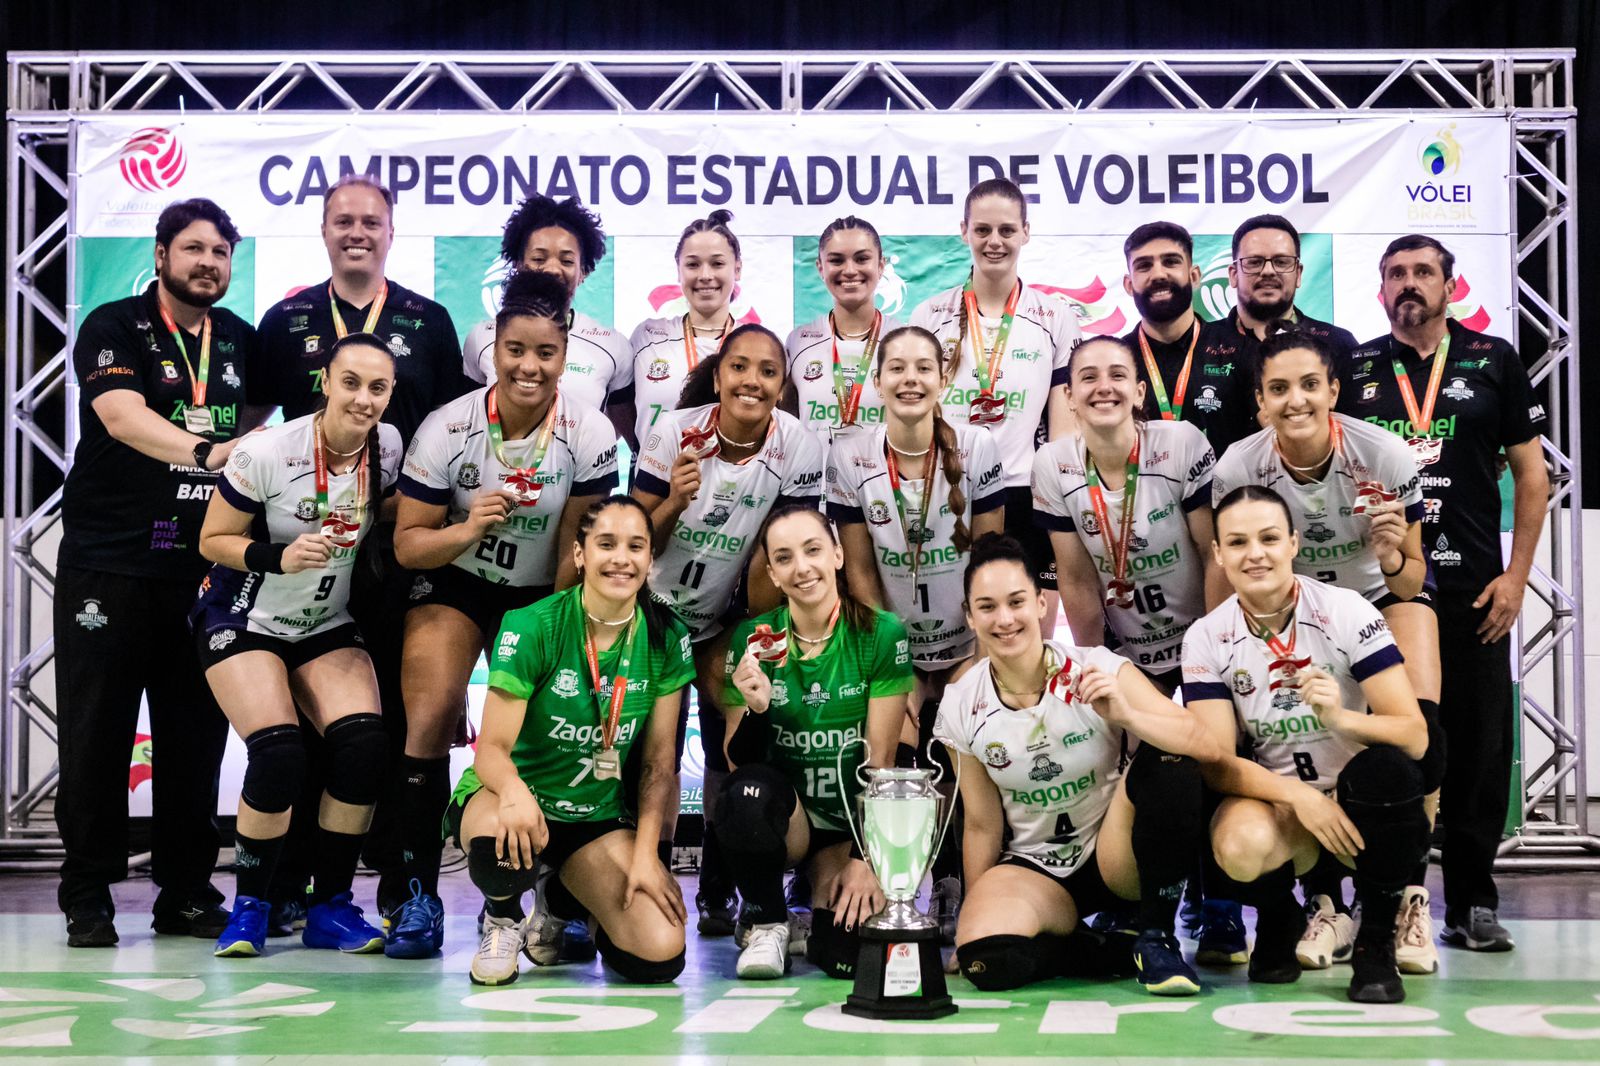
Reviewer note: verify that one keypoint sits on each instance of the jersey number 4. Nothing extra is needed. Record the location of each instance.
(1064, 829)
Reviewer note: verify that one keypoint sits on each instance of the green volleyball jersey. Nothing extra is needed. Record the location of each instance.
(819, 706)
(539, 656)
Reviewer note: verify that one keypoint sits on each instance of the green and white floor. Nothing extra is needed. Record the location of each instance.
(155, 998)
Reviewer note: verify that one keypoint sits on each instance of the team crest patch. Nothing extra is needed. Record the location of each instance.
(92, 617)
(306, 509)
(717, 515)
(1369, 391)
(658, 370)
(230, 375)
(420, 587)
(398, 346)
(1458, 390)
(1285, 699)
(1137, 543)
(813, 370)
(1207, 400)
(817, 696)
(1317, 533)
(169, 370)
(467, 477)
(222, 638)
(1044, 769)
(878, 512)
(566, 685)
(1243, 683)
(313, 343)
(996, 755)
(1089, 523)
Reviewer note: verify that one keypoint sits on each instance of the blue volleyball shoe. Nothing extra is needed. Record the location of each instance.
(339, 924)
(245, 935)
(418, 930)
(1162, 971)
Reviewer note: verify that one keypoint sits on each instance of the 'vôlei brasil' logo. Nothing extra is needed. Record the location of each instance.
(1435, 201)
(153, 160)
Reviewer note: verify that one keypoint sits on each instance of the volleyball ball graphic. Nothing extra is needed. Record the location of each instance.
(153, 160)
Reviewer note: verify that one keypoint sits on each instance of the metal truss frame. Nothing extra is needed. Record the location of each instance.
(50, 93)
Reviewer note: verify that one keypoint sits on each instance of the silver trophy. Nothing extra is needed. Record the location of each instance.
(899, 972)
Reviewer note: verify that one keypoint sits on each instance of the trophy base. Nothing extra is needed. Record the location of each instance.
(899, 975)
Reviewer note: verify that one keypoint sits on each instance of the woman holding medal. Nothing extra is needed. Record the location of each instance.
(1054, 830)
(831, 358)
(667, 350)
(492, 491)
(1354, 492)
(816, 676)
(1333, 770)
(576, 682)
(1011, 345)
(1128, 506)
(273, 629)
(710, 473)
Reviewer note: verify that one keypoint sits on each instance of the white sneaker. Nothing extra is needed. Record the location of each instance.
(766, 954)
(1414, 949)
(799, 931)
(944, 906)
(1330, 937)
(495, 962)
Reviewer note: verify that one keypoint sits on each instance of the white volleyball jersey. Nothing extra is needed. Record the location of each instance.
(1056, 765)
(700, 568)
(451, 462)
(271, 475)
(1335, 543)
(1337, 629)
(660, 364)
(810, 349)
(1043, 334)
(599, 361)
(859, 491)
(1165, 565)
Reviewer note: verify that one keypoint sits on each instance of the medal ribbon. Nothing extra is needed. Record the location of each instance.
(692, 353)
(1173, 411)
(1285, 652)
(987, 364)
(609, 719)
(1422, 417)
(1335, 440)
(1118, 548)
(849, 395)
(913, 548)
(197, 382)
(319, 462)
(541, 442)
(339, 328)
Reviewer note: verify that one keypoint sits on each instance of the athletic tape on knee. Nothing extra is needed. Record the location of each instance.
(358, 749)
(1380, 791)
(496, 878)
(1432, 763)
(997, 963)
(753, 818)
(275, 770)
(632, 968)
(832, 948)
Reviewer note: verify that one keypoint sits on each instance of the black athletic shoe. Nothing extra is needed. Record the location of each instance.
(1273, 961)
(89, 925)
(203, 921)
(717, 915)
(1374, 977)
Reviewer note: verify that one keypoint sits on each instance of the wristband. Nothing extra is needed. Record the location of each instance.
(260, 558)
(1395, 572)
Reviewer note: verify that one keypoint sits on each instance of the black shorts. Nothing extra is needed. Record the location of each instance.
(566, 838)
(1089, 891)
(822, 839)
(1427, 596)
(224, 642)
(1035, 538)
(482, 601)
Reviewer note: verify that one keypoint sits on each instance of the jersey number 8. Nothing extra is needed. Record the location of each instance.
(1304, 766)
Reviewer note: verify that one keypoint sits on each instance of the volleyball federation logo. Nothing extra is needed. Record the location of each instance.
(1441, 154)
(153, 160)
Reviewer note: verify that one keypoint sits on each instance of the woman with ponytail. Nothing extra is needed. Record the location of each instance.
(667, 350)
(806, 684)
(831, 358)
(491, 493)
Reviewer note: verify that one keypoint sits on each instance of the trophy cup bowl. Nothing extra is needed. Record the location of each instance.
(899, 971)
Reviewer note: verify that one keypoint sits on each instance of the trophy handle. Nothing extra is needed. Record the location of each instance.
(935, 763)
(838, 765)
(950, 812)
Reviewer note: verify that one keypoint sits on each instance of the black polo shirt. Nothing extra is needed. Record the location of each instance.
(122, 511)
(1216, 401)
(1485, 404)
(297, 333)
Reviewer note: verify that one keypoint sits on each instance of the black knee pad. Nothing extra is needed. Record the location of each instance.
(276, 769)
(753, 815)
(1381, 791)
(632, 968)
(1169, 816)
(832, 948)
(1432, 762)
(997, 963)
(496, 878)
(358, 748)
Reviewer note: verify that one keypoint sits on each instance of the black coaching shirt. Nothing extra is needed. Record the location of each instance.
(1485, 403)
(1218, 400)
(122, 511)
(297, 333)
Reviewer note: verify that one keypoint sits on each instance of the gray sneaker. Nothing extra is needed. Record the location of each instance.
(944, 907)
(1481, 931)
